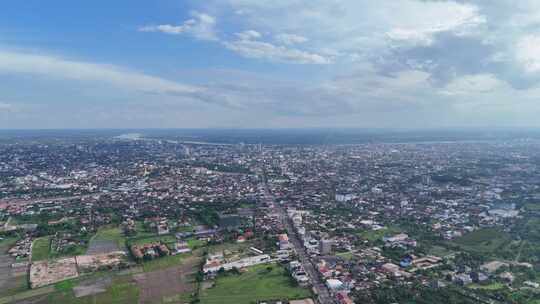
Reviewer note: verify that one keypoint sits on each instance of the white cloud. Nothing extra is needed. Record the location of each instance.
(264, 50)
(474, 84)
(437, 17)
(352, 26)
(201, 26)
(528, 53)
(60, 68)
(290, 39)
(248, 35)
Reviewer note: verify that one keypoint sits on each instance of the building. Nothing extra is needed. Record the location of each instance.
(325, 246)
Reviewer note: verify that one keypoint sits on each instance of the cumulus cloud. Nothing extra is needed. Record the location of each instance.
(438, 17)
(61, 68)
(528, 53)
(472, 84)
(201, 26)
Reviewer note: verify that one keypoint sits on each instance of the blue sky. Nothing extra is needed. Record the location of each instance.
(269, 64)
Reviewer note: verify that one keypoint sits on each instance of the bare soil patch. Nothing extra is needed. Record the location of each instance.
(156, 285)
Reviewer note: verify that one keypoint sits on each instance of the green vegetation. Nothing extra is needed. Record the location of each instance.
(41, 248)
(122, 290)
(375, 235)
(439, 251)
(181, 298)
(18, 284)
(345, 255)
(483, 241)
(492, 286)
(6, 243)
(257, 283)
(69, 251)
(111, 234)
(167, 239)
(163, 262)
(194, 243)
(26, 295)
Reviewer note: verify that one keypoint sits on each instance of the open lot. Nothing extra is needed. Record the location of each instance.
(254, 284)
(43, 273)
(175, 282)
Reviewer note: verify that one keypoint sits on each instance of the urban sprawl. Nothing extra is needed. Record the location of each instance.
(130, 219)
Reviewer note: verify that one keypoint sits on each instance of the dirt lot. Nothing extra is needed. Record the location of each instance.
(156, 285)
(48, 272)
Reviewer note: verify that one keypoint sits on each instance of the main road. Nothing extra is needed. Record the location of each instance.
(323, 294)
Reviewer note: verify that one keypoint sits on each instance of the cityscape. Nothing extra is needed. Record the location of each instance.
(270, 152)
(158, 219)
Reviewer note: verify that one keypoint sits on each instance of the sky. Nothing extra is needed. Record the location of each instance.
(269, 64)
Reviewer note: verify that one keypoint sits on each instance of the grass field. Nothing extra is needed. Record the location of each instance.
(41, 248)
(111, 234)
(487, 240)
(194, 243)
(122, 290)
(253, 285)
(163, 262)
(374, 235)
(439, 251)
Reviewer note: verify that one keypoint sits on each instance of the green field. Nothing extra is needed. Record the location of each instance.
(375, 235)
(163, 262)
(111, 234)
(122, 290)
(194, 243)
(487, 240)
(253, 285)
(439, 251)
(41, 248)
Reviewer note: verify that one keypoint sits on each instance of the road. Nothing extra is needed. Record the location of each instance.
(320, 288)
